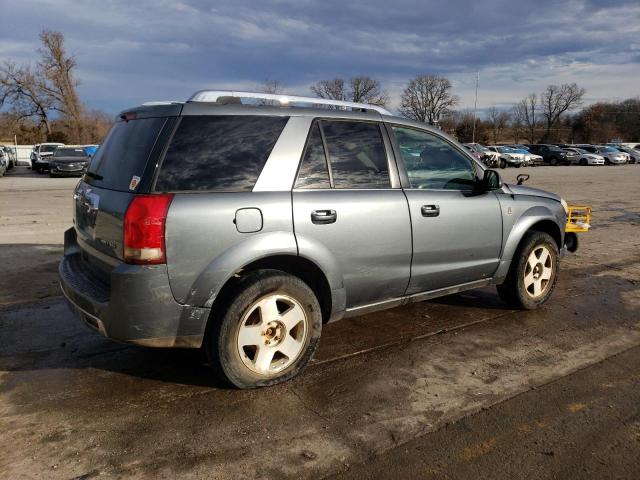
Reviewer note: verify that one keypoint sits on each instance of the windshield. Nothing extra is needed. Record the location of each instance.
(609, 150)
(69, 152)
(48, 148)
(505, 150)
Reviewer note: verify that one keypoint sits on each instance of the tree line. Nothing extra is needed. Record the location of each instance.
(41, 103)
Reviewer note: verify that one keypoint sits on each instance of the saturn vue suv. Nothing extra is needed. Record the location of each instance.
(241, 223)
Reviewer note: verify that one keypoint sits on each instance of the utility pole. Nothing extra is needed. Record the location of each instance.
(475, 106)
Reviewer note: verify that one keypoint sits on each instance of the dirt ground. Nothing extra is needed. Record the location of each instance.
(448, 388)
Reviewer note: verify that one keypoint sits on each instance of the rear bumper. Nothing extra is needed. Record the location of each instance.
(136, 306)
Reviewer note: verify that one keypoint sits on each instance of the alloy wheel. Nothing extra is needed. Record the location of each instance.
(538, 271)
(272, 334)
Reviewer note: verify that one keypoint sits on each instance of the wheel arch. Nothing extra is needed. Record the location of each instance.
(301, 267)
(540, 219)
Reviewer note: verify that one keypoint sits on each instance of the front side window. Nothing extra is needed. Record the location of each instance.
(223, 153)
(356, 154)
(433, 163)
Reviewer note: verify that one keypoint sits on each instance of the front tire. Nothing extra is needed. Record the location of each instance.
(267, 332)
(533, 272)
(503, 163)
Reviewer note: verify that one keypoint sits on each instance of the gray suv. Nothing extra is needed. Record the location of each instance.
(243, 228)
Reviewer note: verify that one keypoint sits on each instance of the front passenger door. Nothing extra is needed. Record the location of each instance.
(457, 231)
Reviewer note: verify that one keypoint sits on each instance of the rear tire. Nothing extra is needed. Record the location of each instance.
(584, 162)
(266, 332)
(503, 163)
(533, 272)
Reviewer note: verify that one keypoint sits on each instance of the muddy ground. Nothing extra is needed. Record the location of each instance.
(440, 389)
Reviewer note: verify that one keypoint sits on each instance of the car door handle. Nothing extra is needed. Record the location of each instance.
(323, 217)
(430, 210)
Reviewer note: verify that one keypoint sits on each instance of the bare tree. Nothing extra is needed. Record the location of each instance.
(20, 87)
(517, 123)
(57, 68)
(557, 99)
(498, 121)
(365, 89)
(426, 98)
(51, 86)
(273, 87)
(361, 89)
(331, 89)
(527, 113)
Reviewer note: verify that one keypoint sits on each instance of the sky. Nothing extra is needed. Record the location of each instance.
(129, 52)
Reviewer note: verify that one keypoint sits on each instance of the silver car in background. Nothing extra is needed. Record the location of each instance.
(580, 156)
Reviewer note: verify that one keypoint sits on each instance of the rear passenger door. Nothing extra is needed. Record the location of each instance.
(347, 203)
(457, 230)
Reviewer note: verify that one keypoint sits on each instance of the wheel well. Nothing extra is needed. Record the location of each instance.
(550, 227)
(300, 267)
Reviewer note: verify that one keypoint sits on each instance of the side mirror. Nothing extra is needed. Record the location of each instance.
(491, 180)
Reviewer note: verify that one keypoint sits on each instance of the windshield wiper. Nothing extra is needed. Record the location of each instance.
(94, 175)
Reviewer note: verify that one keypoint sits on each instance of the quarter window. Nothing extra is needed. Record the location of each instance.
(433, 163)
(356, 154)
(219, 153)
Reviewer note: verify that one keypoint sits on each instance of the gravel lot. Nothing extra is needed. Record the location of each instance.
(439, 389)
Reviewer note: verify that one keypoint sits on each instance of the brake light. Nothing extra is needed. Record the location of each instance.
(144, 226)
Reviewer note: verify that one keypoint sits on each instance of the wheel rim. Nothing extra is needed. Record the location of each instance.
(272, 334)
(538, 271)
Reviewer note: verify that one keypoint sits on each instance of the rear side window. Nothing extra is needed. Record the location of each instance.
(124, 153)
(314, 172)
(356, 154)
(221, 153)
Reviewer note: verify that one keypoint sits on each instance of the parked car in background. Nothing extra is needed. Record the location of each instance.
(488, 157)
(508, 156)
(634, 155)
(242, 229)
(580, 156)
(551, 154)
(41, 154)
(611, 155)
(4, 162)
(10, 156)
(90, 150)
(68, 160)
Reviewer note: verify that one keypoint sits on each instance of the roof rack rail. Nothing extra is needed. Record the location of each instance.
(215, 95)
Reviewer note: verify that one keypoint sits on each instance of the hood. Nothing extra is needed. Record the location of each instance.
(534, 192)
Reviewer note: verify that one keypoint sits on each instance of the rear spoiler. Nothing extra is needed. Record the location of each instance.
(150, 110)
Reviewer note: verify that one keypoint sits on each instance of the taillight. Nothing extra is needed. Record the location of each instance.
(144, 225)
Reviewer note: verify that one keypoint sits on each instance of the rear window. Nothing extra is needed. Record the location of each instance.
(356, 153)
(124, 153)
(223, 153)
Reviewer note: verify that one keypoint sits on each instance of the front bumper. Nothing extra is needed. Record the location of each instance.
(135, 306)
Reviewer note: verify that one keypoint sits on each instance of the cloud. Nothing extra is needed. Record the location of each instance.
(130, 52)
